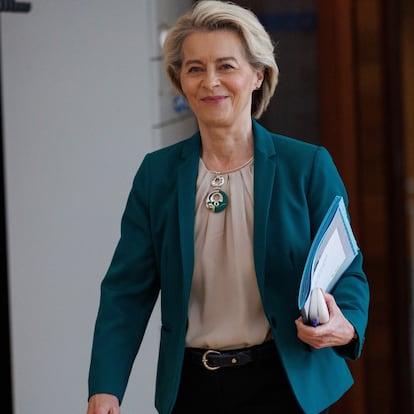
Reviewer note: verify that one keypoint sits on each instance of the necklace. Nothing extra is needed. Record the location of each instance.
(217, 200)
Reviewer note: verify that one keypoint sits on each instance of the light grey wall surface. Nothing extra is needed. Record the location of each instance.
(77, 105)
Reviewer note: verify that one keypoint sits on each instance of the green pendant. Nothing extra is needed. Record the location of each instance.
(217, 201)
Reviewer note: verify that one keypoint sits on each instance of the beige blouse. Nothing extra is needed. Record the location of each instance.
(225, 309)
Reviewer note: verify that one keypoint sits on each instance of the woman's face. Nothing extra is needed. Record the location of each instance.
(217, 79)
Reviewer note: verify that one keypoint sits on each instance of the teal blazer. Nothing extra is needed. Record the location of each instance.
(294, 184)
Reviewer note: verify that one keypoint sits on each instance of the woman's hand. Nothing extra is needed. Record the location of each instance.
(103, 404)
(336, 332)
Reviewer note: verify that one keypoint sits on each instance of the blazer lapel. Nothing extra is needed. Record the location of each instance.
(187, 179)
(264, 177)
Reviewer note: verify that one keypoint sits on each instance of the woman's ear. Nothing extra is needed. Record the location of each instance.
(260, 78)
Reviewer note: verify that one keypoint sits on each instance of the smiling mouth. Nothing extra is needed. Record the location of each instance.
(214, 99)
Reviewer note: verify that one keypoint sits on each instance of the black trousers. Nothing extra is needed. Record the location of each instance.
(259, 387)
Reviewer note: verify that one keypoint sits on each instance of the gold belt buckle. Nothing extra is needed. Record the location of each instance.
(205, 361)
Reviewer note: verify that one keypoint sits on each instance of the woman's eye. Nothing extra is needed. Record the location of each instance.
(194, 69)
(227, 66)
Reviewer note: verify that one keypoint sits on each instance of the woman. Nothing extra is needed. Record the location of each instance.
(221, 224)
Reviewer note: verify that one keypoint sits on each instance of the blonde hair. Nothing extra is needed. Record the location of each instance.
(211, 15)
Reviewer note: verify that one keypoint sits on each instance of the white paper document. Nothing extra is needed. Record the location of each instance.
(326, 266)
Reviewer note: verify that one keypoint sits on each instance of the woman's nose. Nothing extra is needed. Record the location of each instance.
(211, 78)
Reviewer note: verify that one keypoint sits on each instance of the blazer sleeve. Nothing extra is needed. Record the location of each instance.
(128, 294)
(352, 291)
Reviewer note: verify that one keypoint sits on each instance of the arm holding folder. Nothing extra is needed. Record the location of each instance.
(333, 250)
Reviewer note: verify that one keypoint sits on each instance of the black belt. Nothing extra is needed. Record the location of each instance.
(212, 359)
